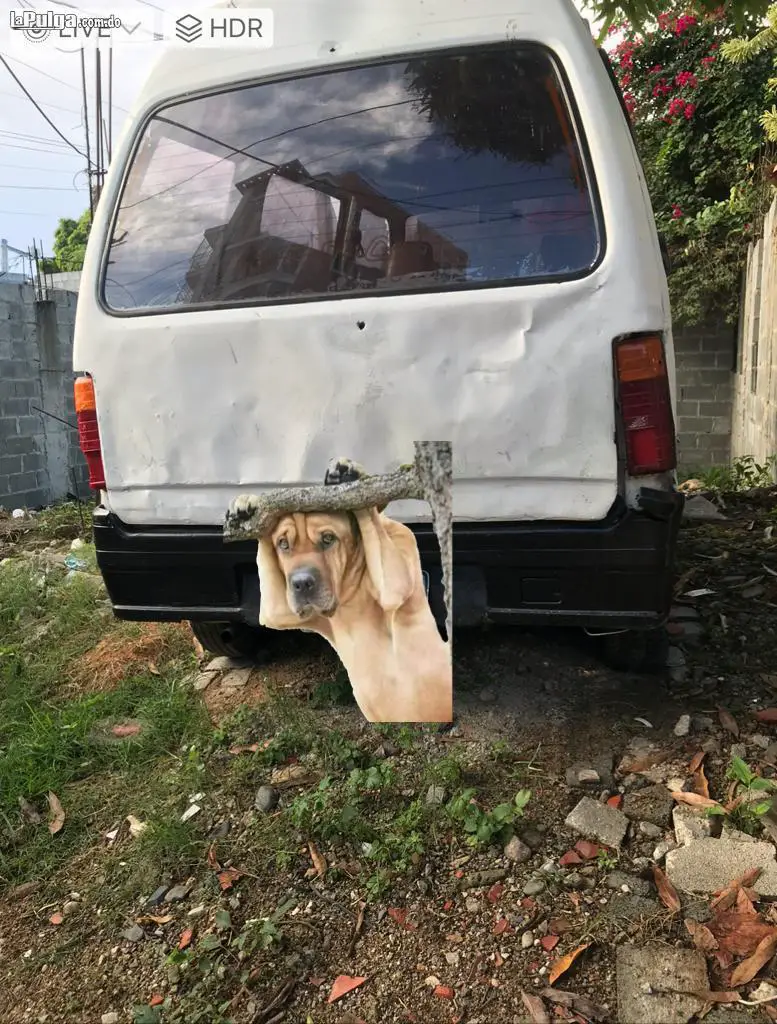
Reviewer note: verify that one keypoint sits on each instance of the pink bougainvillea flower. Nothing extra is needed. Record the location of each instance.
(708, 60)
(683, 23)
(667, 120)
(689, 111)
(686, 78)
(677, 106)
(655, 70)
(676, 211)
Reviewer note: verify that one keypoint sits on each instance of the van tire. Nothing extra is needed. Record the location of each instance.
(231, 639)
(636, 650)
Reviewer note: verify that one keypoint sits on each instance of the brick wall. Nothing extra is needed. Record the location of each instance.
(39, 454)
(705, 389)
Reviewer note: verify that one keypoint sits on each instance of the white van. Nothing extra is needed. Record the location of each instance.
(417, 219)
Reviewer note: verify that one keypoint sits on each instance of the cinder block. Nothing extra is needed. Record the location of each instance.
(686, 343)
(721, 425)
(30, 424)
(695, 424)
(9, 427)
(10, 465)
(16, 407)
(21, 482)
(33, 463)
(24, 445)
(715, 409)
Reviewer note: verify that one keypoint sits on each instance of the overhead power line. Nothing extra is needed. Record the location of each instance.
(38, 107)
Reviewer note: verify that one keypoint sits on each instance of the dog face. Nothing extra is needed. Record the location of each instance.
(314, 552)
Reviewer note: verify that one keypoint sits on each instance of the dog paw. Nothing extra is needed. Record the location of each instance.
(343, 471)
(243, 507)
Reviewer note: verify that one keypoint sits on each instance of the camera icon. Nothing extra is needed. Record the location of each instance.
(188, 28)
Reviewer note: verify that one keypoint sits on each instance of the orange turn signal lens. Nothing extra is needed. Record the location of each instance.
(84, 395)
(640, 359)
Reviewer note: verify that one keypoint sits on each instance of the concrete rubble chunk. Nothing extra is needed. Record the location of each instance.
(598, 821)
(708, 865)
(690, 825)
(236, 679)
(653, 803)
(701, 509)
(683, 726)
(224, 664)
(645, 974)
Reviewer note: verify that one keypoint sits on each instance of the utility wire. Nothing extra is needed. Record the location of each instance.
(37, 106)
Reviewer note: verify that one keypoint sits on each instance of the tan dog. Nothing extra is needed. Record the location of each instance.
(356, 579)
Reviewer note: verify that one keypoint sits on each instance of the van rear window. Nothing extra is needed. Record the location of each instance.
(453, 170)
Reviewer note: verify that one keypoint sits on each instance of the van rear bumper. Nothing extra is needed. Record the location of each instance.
(616, 573)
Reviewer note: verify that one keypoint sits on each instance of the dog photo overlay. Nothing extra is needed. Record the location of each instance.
(331, 562)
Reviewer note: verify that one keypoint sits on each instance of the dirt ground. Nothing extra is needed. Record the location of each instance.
(437, 942)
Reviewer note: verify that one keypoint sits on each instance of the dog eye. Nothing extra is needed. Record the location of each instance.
(327, 539)
(283, 544)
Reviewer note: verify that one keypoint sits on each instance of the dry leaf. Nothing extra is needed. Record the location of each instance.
(213, 864)
(615, 801)
(251, 748)
(696, 761)
(136, 827)
(291, 775)
(748, 969)
(726, 897)
(156, 1000)
(739, 934)
(701, 935)
(56, 919)
(573, 1001)
(694, 799)
(154, 919)
(535, 1008)
(399, 915)
(443, 992)
(186, 939)
(768, 715)
(700, 784)
(228, 877)
(666, 891)
(560, 925)
(728, 722)
(342, 985)
(562, 966)
(56, 809)
(744, 904)
(153, 669)
(319, 862)
(588, 851)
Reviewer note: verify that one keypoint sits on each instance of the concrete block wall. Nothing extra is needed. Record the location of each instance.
(704, 357)
(39, 454)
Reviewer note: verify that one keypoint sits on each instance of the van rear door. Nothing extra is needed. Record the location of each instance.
(343, 262)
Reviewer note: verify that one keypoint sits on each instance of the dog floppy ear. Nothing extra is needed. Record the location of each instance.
(389, 564)
(274, 611)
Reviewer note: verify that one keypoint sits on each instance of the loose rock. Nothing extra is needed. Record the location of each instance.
(177, 893)
(134, 933)
(598, 821)
(533, 887)
(647, 828)
(266, 799)
(527, 940)
(619, 879)
(690, 825)
(683, 726)
(517, 851)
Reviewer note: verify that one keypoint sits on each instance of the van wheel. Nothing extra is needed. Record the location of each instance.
(636, 650)
(232, 639)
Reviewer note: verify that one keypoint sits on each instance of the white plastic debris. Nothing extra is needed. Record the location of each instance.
(190, 812)
(18, 513)
(644, 721)
(701, 592)
(77, 544)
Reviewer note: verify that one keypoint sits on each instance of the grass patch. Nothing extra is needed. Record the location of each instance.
(50, 742)
(741, 474)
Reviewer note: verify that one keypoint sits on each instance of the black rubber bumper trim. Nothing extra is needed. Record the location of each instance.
(616, 573)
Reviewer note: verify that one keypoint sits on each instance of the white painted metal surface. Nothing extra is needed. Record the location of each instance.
(196, 407)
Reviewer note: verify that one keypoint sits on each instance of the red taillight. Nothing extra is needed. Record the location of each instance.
(88, 432)
(645, 405)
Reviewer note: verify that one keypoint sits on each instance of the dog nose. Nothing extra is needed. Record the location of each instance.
(304, 582)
